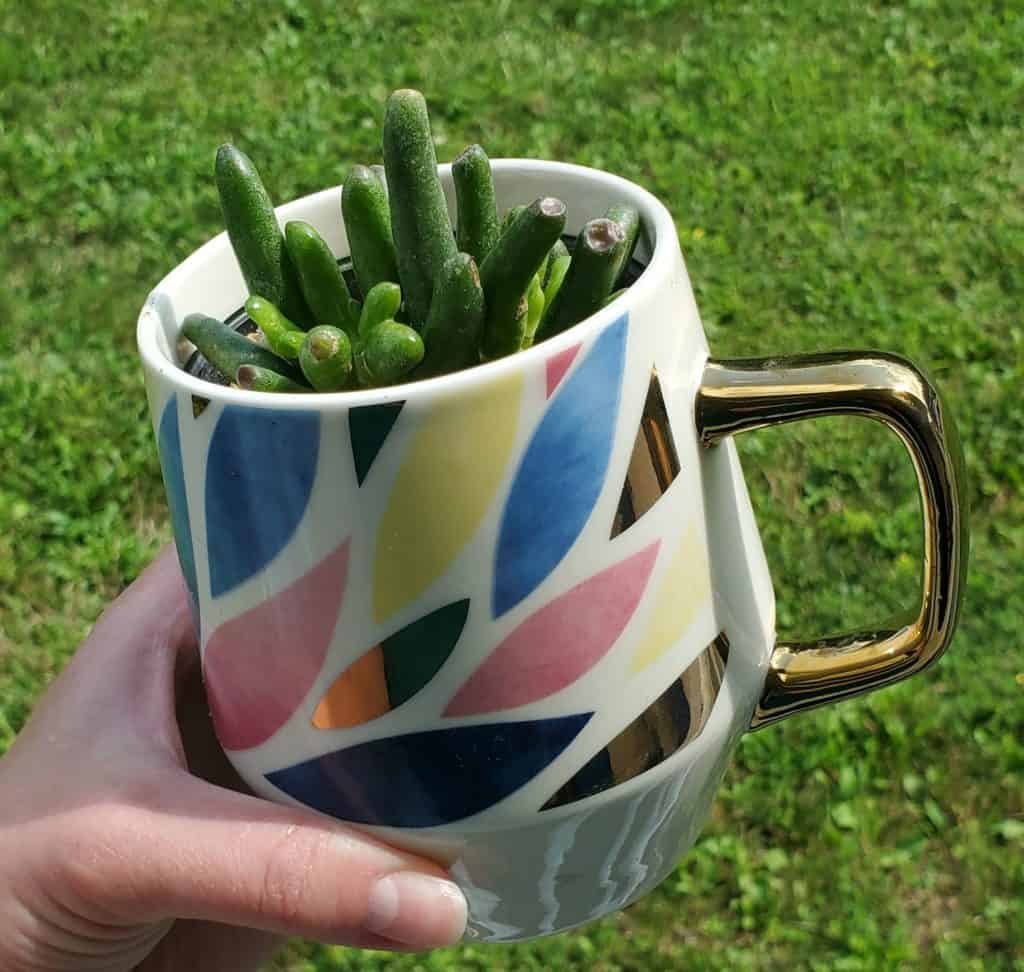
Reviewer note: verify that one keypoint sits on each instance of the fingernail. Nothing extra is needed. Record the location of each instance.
(416, 909)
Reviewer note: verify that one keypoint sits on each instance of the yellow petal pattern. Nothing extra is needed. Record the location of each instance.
(455, 464)
(684, 588)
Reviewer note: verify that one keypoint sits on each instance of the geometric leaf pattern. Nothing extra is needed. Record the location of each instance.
(684, 587)
(368, 427)
(261, 466)
(393, 671)
(426, 779)
(259, 474)
(674, 719)
(559, 643)
(454, 463)
(557, 365)
(561, 473)
(169, 450)
(259, 666)
(653, 465)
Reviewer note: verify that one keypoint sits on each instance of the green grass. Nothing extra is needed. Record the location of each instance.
(841, 174)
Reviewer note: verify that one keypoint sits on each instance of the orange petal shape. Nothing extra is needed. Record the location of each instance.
(259, 666)
(391, 673)
(358, 695)
(559, 643)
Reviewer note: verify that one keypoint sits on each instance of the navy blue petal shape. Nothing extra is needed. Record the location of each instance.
(562, 472)
(426, 779)
(259, 474)
(368, 427)
(168, 443)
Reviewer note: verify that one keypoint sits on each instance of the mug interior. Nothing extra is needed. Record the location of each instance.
(209, 281)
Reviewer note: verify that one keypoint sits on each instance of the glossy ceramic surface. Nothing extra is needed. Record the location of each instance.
(515, 618)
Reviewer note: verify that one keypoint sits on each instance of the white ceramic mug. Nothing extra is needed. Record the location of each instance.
(517, 617)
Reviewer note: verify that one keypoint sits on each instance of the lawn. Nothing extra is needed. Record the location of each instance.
(842, 174)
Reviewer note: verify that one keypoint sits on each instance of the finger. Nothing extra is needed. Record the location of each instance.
(196, 851)
(153, 604)
(136, 630)
(121, 681)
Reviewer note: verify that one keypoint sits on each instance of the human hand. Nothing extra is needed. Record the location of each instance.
(121, 847)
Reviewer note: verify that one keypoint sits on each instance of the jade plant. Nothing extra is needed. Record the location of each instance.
(425, 300)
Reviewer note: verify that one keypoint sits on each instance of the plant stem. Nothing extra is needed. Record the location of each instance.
(455, 323)
(364, 208)
(508, 270)
(227, 350)
(390, 352)
(255, 378)
(419, 215)
(589, 279)
(381, 304)
(255, 235)
(323, 284)
(326, 358)
(629, 219)
(478, 227)
(283, 337)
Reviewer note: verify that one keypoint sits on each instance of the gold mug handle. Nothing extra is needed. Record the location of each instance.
(737, 396)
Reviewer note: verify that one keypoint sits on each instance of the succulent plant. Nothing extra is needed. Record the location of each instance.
(422, 299)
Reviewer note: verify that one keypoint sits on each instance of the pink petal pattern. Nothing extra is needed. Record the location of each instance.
(259, 666)
(557, 365)
(559, 643)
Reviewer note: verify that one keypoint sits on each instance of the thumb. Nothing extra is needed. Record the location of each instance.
(200, 852)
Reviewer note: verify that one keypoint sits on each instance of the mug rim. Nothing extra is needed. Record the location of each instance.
(654, 216)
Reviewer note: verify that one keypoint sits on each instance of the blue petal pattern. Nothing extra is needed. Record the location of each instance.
(168, 443)
(259, 474)
(426, 779)
(562, 473)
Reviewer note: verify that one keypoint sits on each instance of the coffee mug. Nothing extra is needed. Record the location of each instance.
(517, 617)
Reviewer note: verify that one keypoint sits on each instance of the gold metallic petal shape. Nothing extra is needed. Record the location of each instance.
(653, 465)
(675, 718)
